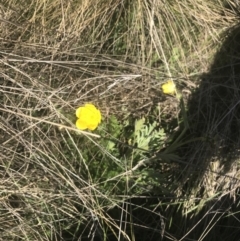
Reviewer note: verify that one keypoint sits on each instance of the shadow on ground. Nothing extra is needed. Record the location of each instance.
(213, 167)
(214, 114)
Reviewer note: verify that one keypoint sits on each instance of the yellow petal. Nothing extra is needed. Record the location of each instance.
(81, 125)
(98, 115)
(88, 117)
(93, 126)
(90, 106)
(169, 88)
(78, 111)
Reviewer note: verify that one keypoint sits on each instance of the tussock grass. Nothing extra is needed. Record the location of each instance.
(57, 55)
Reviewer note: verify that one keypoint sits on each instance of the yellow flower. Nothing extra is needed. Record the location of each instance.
(169, 87)
(89, 117)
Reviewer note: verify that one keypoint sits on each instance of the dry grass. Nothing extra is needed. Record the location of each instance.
(57, 55)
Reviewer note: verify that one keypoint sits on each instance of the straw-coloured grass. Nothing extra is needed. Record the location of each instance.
(58, 183)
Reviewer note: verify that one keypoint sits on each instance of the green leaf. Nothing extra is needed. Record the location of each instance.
(139, 124)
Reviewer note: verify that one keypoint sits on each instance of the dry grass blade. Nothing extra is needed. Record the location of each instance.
(58, 183)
